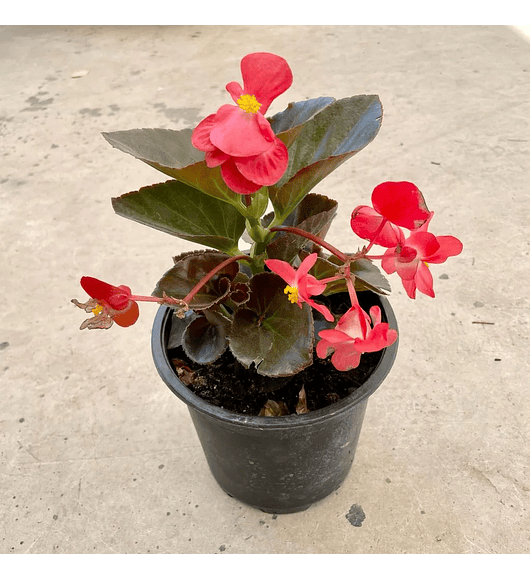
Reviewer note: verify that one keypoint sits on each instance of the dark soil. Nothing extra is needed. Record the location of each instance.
(228, 384)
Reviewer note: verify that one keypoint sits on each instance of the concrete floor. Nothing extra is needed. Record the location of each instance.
(97, 455)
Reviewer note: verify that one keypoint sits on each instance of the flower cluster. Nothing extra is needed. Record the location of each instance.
(402, 204)
(262, 304)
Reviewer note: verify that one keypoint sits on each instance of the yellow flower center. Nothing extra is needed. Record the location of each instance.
(248, 103)
(97, 310)
(293, 293)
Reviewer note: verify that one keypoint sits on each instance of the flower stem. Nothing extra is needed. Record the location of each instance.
(145, 298)
(351, 290)
(372, 241)
(211, 274)
(168, 300)
(332, 279)
(313, 238)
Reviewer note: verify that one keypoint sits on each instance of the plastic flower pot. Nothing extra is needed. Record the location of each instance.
(276, 464)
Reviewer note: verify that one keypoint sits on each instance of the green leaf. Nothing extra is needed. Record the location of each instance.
(189, 269)
(270, 332)
(205, 338)
(178, 327)
(164, 147)
(313, 215)
(325, 141)
(314, 204)
(202, 336)
(325, 268)
(288, 124)
(367, 276)
(178, 209)
(239, 292)
(172, 153)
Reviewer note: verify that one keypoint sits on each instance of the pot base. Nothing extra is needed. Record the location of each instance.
(279, 511)
(281, 468)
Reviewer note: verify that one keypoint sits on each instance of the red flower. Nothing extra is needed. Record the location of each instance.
(412, 258)
(368, 224)
(109, 303)
(301, 285)
(239, 138)
(354, 335)
(395, 203)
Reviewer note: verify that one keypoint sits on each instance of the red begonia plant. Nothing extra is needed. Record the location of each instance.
(225, 174)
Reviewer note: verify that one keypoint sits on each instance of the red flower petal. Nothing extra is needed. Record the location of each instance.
(378, 338)
(346, 358)
(117, 298)
(127, 317)
(265, 75)
(266, 168)
(265, 128)
(410, 287)
(323, 348)
(406, 254)
(240, 134)
(235, 180)
(200, 138)
(235, 90)
(423, 280)
(425, 244)
(322, 309)
(310, 286)
(402, 203)
(319, 307)
(306, 265)
(283, 269)
(375, 315)
(355, 322)
(215, 158)
(406, 270)
(388, 262)
(365, 222)
(334, 337)
(448, 246)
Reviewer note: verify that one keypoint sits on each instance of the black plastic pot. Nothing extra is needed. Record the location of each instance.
(276, 464)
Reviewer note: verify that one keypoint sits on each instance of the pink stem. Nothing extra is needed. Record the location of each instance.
(374, 257)
(195, 289)
(313, 238)
(351, 286)
(332, 279)
(351, 290)
(146, 298)
(379, 229)
(212, 273)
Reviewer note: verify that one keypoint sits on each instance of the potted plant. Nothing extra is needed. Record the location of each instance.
(276, 349)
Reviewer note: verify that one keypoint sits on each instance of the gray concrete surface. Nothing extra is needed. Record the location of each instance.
(96, 454)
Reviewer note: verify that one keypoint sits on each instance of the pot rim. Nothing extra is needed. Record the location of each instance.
(166, 372)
